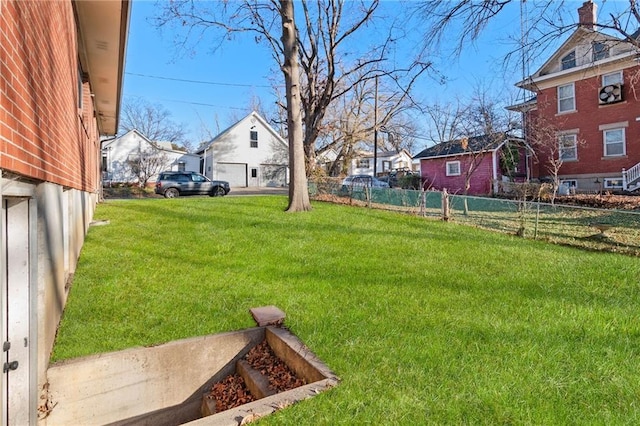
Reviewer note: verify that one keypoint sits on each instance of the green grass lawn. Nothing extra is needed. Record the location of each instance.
(425, 322)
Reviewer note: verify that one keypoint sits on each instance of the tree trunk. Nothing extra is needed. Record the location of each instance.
(298, 190)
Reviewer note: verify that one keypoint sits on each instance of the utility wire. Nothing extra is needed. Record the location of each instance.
(190, 102)
(213, 83)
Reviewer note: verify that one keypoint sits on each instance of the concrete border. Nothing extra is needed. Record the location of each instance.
(165, 384)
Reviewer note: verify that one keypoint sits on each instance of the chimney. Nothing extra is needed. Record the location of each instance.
(587, 15)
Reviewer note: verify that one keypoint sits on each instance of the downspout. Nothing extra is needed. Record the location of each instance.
(204, 163)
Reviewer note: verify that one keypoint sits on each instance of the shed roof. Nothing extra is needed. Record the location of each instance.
(475, 144)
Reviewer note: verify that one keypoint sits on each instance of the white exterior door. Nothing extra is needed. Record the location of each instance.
(15, 311)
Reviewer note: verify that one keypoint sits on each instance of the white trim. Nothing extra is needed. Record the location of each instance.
(447, 171)
(623, 141)
(608, 180)
(620, 81)
(573, 98)
(574, 145)
(540, 79)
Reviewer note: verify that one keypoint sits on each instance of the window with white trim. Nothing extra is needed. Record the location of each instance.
(614, 142)
(612, 183)
(568, 61)
(182, 166)
(566, 98)
(613, 78)
(453, 168)
(568, 147)
(253, 138)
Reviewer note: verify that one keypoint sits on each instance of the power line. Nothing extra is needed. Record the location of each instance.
(213, 83)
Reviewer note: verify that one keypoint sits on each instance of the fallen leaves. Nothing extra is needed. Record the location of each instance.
(232, 391)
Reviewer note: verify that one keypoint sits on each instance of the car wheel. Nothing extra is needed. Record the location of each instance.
(171, 193)
(218, 191)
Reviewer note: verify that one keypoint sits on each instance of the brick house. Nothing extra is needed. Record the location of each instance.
(61, 66)
(482, 160)
(584, 114)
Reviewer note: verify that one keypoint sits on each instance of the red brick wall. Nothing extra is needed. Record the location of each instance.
(43, 133)
(588, 117)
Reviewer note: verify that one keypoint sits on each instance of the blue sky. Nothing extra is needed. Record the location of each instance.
(209, 90)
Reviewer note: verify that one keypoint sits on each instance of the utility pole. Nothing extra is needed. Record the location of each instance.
(375, 131)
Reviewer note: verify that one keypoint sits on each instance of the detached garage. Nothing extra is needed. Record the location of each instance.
(249, 153)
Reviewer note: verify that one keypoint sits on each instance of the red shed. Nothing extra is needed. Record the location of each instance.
(474, 165)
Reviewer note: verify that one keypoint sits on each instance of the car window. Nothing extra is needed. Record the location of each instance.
(181, 178)
(198, 178)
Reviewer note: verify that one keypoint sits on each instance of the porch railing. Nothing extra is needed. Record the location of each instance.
(630, 176)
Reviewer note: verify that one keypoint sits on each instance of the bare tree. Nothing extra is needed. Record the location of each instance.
(298, 191)
(147, 163)
(542, 21)
(351, 120)
(153, 121)
(328, 76)
(552, 148)
(445, 121)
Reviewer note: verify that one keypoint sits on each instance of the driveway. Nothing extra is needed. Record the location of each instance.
(258, 190)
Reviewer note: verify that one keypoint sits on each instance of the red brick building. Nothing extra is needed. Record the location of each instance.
(584, 115)
(61, 66)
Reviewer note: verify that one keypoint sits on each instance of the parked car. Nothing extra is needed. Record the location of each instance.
(358, 182)
(175, 184)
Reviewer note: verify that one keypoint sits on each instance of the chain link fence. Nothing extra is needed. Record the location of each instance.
(589, 228)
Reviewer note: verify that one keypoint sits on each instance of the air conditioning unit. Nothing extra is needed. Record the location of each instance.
(610, 94)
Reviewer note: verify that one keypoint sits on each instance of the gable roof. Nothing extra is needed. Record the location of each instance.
(253, 115)
(476, 144)
(621, 50)
(385, 154)
(161, 145)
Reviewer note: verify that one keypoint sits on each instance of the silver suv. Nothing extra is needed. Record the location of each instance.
(175, 184)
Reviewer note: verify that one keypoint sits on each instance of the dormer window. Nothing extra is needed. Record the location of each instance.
(600, 51)
(569, 61)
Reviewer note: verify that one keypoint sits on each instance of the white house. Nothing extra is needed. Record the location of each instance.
(118, 153)
(249, 153)
(325, 159)
(386, 162)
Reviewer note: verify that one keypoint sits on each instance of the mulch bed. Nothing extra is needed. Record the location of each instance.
(603, 201)
(232, 391)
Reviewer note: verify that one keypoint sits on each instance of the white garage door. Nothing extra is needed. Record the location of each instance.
(234, 173)
(273, 175)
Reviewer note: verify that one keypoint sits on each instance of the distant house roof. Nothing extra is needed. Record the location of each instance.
(527, 105)
(384, 154)
(228, 130)
(161, 145)
(474, 144)
(164, 145)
